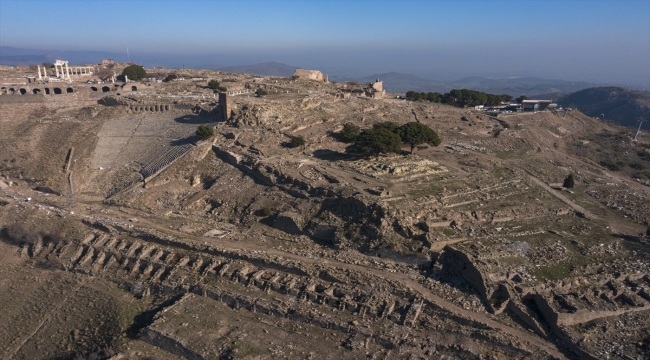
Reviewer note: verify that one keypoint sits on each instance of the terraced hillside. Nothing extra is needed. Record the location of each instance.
(125, 236)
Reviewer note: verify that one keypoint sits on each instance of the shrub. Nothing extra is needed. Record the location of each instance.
(261, 92)
(644, 175)
(216, 85)
(297, 141)
(266, 211)
(610, 165)
(205, 132)
(134, 72)
(170, 77)
(569, 182)
(349, 132)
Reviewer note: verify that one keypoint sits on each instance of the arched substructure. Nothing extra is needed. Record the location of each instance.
(36, 91)
(47, 91)
(106, 89)
(3, 90)
(57, 91)
(69, 90)
(93, 88)
(157, 108)
(134, 88)
(23, 91)
(11, 91)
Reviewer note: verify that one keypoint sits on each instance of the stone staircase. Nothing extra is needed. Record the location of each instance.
(165, 160)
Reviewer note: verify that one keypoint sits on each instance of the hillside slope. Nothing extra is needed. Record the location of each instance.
(622, 105)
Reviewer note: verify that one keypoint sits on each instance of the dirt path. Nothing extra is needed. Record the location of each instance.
(573, 205)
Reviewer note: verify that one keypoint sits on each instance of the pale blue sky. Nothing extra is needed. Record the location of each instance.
(582, 39)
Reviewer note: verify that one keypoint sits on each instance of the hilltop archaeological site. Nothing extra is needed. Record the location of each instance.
(127, 236)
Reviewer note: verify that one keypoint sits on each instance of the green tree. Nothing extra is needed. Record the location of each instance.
(261, 92)
(216, 85)
(388, 125)
(569, 182)
(378, 140)
(506, 97)
(433, 97)
(205, 131)
(170, 77)
(521, 99)
(415, 133)
(349, 132)
(134, 72)
(297, 141)
(413, 96)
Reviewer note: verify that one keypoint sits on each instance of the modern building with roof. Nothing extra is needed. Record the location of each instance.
(536, 105)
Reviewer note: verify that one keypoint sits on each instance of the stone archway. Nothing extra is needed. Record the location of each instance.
(93, 88)
(69, 90)
(134, 88)
(23, 91)
(47, 91)
(106, 89)
(11, 91)
(57, 91)
(36, 91)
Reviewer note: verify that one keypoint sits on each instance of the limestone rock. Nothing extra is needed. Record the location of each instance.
(289, 222)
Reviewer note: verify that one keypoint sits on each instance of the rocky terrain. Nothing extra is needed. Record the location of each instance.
(125, 236)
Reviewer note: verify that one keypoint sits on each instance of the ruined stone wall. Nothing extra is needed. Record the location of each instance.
(455, 262)
(224, 106)
(310, 75)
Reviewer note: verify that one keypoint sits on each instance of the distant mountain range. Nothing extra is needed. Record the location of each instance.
(515, 86)
(625, 106)
(267, 69)
(393, 82)
(14, 56)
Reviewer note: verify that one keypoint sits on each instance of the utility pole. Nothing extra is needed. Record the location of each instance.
(638, 129)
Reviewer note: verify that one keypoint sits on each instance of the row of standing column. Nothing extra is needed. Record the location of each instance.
(65, 72)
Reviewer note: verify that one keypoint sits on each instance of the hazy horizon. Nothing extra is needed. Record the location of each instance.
(595, 41)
